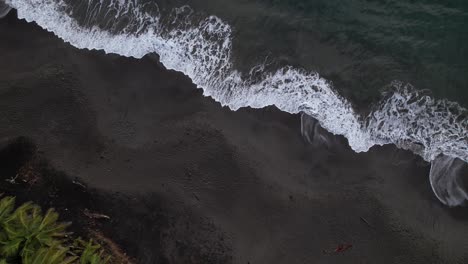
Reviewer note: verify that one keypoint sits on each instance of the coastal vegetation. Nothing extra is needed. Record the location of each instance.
(28, 236)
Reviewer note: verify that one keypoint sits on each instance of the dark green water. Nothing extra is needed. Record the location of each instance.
(361, 45)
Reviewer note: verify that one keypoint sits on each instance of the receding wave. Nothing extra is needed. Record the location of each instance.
(448, 180)
(408, 118)
(4, 9)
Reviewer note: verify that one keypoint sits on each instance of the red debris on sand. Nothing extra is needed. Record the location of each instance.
(343, 248)
(339, 249)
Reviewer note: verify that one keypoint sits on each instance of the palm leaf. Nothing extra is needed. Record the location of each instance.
(12, 231)
(91, 253)
(11, 248)
(50, 218)
(50, 255)
(22, 214)
(33, 230)
(37, 239)
(7, 205)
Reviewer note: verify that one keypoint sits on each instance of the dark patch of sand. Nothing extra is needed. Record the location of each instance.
(130, 126)
(144, 225)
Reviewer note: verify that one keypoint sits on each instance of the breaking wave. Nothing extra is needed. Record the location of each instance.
(202, 50)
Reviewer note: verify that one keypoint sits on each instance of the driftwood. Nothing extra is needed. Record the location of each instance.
(93, 215)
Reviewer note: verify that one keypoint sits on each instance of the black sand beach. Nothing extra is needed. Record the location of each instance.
(243, 186)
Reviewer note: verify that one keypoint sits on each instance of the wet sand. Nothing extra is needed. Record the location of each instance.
(130, 126)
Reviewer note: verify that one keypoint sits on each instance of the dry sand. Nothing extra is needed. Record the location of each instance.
(130, 126)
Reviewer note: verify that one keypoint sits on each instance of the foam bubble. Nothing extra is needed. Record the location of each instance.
(413, 120)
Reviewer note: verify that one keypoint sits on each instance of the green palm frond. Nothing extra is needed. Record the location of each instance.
(10, 248)
(27, 230)
(50, 255)
(23, 212)
(49, 219)
(12, 231)
(7, 204)
(92, 253)
(28, 236)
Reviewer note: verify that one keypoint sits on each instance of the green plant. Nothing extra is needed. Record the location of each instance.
(29, 237)
(27, 230)
(7, 205)
(51, 255)
(91, 253)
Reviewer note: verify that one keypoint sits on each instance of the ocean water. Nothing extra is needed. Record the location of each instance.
(377, 72)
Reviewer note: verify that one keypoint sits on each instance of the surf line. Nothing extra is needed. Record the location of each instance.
(203, 51)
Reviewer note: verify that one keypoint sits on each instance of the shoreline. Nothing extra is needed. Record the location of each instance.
(127, 125)
(398, 119)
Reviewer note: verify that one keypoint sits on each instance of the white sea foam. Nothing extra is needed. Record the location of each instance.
(406, 117)
(449, 180)
(4, 9)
